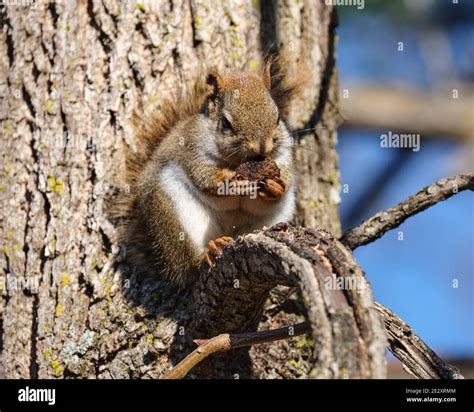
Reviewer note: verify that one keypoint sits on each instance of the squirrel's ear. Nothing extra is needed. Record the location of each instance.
(215, 83)
(215, 87)
(284, 87)
(267, 75)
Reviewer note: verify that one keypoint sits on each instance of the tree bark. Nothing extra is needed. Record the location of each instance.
(72, 72)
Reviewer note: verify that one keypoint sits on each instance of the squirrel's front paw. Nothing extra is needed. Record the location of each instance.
(271, 189)
(214, 250)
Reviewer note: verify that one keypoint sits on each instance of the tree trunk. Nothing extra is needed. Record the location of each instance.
(72, 72)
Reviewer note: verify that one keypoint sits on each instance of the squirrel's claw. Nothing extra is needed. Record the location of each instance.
(214, 250)
(206, 258)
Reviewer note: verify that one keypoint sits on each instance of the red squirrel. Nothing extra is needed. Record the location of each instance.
(180, 210)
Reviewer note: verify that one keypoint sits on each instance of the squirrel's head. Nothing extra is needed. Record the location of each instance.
(246, 119)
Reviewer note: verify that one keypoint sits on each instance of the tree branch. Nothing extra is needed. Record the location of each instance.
(374, 227)
(345, 324)
(226, 341)
(416, 357)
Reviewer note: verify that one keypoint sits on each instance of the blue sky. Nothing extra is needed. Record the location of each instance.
(413, 277)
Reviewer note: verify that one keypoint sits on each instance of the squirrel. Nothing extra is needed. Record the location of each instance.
(186, 199)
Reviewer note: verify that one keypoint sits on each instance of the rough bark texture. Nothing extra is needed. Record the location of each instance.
(416, 357)
(71, 74)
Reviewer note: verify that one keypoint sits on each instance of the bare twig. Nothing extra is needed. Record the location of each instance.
(228, 341)
(416, 357)
(374, 227)
(220, 343)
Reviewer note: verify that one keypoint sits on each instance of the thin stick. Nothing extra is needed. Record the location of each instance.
(226, 341)
(415, 355)
(374, 227)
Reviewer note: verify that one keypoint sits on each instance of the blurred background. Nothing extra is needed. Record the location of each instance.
(407, 66)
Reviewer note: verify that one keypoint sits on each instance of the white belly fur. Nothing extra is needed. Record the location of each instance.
(204, 218)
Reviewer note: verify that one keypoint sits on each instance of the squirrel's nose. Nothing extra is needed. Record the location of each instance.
(260, 148)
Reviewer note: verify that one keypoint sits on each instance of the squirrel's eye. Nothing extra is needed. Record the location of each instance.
(225, 125)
